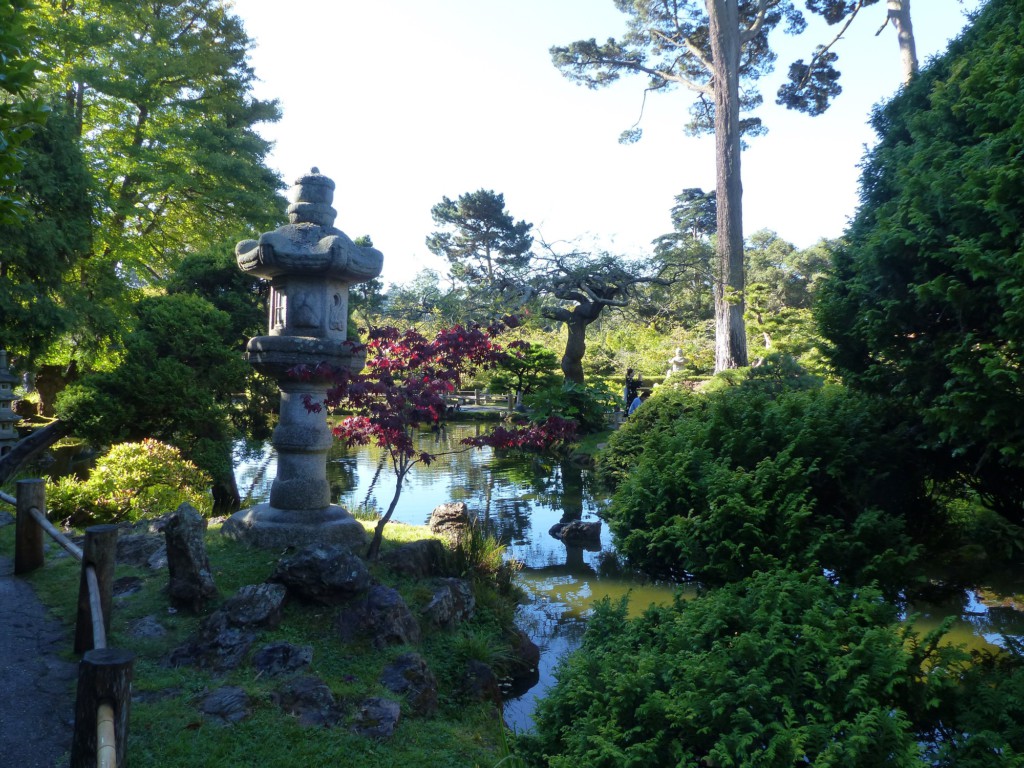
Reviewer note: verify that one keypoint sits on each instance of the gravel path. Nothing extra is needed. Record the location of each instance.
(37, 684)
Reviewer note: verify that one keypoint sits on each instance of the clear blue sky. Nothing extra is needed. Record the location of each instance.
(402, 102)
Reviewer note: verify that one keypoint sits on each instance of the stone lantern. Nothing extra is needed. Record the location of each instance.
(310, 265)
(8, 418)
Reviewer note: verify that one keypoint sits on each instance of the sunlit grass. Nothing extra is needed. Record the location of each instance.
(167, 728)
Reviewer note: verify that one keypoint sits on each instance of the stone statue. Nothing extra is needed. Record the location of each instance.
(310, 265)
(677, 363)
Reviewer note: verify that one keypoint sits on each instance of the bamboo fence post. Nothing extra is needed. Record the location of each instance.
(104, 677)
(28, 536)
(99, 551)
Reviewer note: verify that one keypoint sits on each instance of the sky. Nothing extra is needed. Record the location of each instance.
(404, 102)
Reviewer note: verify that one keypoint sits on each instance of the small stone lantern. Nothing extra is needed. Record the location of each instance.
(310, 265)
(8, 418)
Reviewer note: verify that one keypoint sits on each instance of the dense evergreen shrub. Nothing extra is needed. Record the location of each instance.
(924, 305)
(782, 669)
(760, 476)
(659, 412)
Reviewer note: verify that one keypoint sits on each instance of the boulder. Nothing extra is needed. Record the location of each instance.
(256, 605)
(418, 559)
(450, 520)
(381, 617)
(479, 683)
(280, 658)
(217, 645)
(146, 627)
(578, 533)
(409, 676)
(377, 718)
(523, 670)
(227, 705)
(191, 581)
(326, 574)
(310, 700)
(453, 602)
(144, 550)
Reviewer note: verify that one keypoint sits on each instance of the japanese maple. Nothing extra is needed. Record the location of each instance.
(405, 387)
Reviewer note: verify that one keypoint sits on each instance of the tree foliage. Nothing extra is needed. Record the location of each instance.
(42, 250)
(160, 97)
(20, 110)
(179, 375)
(924, 305)
(483, 243)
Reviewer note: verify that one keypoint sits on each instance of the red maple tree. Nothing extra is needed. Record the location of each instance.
(406, 386)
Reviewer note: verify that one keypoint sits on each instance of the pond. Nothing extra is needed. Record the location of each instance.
(520, 499)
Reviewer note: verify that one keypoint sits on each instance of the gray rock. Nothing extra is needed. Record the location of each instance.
(450, 520)
(191, 581)
(310, 700)
(6, 518)
(323, 574)
(453, 602)
(141, 550)
(217, 646)
(377, 718)
(523, 669)
(126, 586)
(280, 658)
(409, 676)
(256, 605)
(578, 533)
(381, 617)
(146, 627)
(480, 683)
(418, 559)
(227, 705)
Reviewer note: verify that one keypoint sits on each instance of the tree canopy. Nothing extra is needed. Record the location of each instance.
(480, 239)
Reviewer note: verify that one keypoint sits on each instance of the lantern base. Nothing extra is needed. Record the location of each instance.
(268, 527)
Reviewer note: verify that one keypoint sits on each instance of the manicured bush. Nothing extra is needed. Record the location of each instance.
(760, 476)
(781, 669)
(131, 482)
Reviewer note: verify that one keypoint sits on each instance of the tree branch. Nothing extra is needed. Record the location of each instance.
(755, 27)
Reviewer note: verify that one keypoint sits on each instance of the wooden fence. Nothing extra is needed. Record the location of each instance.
(104, 674)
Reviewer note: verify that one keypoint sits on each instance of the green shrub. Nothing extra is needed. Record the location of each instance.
(588, 404)
(782, 669)
(131, 482)
(660, 412)
(750, 477)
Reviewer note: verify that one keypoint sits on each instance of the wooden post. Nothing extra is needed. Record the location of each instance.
(28, 536)
(104, 677)
(99, 551)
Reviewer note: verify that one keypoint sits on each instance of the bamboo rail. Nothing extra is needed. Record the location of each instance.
(103, 700)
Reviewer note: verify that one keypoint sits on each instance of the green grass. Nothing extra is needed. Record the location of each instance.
(167, 729)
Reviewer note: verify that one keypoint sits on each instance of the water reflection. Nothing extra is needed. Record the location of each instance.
(519, 500)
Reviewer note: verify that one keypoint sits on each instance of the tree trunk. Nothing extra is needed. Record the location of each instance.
(899, 14)
(575, 348)
(378, 532)
(730, 333)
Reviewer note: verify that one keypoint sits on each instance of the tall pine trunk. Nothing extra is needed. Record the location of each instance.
(899, 14)
(730, 332)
